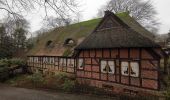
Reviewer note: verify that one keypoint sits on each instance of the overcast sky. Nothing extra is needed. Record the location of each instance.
(89, 10)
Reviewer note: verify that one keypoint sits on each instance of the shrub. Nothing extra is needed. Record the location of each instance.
(59, 81)
(55, 81)
(68, 85)
(17, 61)
(4, 63)
(11, 62)
(4, 73)
(36, 79)
(61, 76)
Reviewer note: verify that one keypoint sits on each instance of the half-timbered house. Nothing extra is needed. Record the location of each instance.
(117, 54)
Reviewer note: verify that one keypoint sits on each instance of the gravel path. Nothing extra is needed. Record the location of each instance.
(13, 93)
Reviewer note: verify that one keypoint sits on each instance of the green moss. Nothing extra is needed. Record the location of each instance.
(67, 52)
(80, 30)
(123, 14)
(58, 35)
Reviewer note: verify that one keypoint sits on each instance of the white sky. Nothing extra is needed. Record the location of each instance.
(163, 9)
(89, 10)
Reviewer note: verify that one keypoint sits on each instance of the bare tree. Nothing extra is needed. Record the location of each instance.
(12, 24)
(142, 11)
(53, 22)
(63, 8)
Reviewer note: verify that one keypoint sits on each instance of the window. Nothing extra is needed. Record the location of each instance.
(39, 59)
(80, 63)
(130, 69)
(56, 61)
(62, 62)
(31, 59)
(134, 69)
(35, 59)
(44, 59)
(48, 59)
(69, 42)
(107, 66)
(52, 60)
(48, 43)
(70, 62)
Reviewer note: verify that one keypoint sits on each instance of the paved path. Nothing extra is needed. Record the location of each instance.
(13, 93)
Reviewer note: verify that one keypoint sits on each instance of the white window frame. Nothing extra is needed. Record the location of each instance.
(56, 61)
(70, 61)
(135, 68)
(52, 60)
(63, 62)
(111, 64)
(36, 59)
(31, 59)
(124, 66)
(134, 65)
(80, 63)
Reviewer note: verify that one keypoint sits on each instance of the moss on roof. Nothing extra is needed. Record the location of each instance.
(130, 21)
(79, 30)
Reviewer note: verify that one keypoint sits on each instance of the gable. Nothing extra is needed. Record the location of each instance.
(112, 32)
(108, 22)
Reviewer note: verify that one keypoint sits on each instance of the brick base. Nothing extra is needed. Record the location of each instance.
(118, 88)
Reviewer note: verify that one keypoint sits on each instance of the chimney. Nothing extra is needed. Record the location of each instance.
(107, 12)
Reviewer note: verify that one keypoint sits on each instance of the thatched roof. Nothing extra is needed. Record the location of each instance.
(78, 32)
(116, 34)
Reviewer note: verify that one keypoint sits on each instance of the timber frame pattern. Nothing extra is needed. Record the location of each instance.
(112, 40)
(117, 75)
(92, 62)
(53, 64)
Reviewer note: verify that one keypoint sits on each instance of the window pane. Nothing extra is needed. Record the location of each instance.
(107, 66)
(134, 69)
(112, 66)
(125, 68)
(70, 62)
(80, 63)
(103, 64)
(61, 61)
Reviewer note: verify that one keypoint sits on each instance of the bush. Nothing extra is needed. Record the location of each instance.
(55, 81)
(4, 73)
(68, 85)
(36, 79)
(17, 61)
(61, 76)
(60, 81)
(4, 63)
(11, 62)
